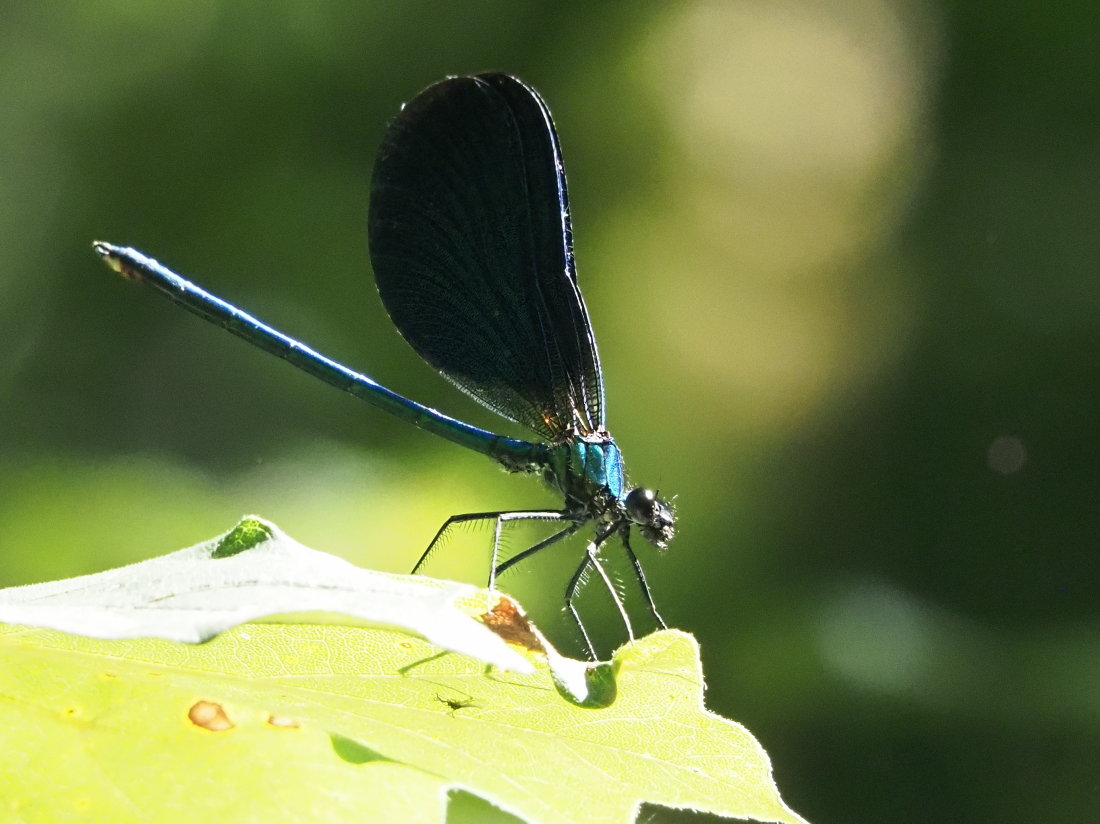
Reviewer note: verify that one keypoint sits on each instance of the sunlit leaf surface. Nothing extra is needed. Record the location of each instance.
(294, 722)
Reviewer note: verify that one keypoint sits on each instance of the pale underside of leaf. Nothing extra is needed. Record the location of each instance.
(192, 595)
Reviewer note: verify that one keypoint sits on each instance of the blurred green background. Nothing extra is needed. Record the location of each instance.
(843, 261)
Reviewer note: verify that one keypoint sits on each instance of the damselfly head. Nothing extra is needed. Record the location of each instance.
(654, 519)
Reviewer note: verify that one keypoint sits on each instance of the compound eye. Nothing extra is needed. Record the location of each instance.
(654, 519)
(641, 505)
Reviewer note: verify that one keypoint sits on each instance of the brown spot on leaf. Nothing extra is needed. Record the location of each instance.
(283, 721)
(209, 716)
(507, 620)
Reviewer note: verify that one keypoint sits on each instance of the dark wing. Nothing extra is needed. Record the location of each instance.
(473, 252)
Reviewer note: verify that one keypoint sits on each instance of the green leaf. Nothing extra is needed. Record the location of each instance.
(300, 722)
(250, 532)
